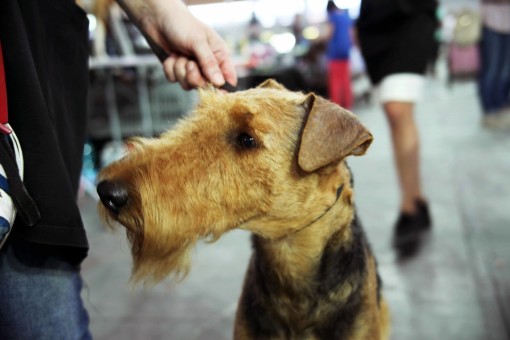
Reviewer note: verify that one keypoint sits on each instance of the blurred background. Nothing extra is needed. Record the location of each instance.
(456, 287)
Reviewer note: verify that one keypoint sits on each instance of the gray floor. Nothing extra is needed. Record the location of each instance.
(458, 287)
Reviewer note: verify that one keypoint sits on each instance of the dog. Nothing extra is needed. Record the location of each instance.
(272, 162)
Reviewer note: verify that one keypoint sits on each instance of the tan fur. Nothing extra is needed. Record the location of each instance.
(196, 182)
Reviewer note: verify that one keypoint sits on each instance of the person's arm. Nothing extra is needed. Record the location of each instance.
(196, 53)
(328, 31)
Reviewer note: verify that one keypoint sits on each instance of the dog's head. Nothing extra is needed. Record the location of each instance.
(266, 160)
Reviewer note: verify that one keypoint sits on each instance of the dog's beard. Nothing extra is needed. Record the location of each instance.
(159, 250)
(157, 256)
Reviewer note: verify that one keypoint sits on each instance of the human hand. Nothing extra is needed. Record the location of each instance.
(196, 53)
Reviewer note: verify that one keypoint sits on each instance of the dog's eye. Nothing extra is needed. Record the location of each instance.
(246, 141)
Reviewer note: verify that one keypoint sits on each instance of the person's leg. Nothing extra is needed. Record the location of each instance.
(414, 218)
(345, 86)
(494, 79)
(39, 295)
(505, 70)
(405, 140)
(335, 81)
(489, 71)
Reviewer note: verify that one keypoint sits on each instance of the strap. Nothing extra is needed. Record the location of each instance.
(4, 119)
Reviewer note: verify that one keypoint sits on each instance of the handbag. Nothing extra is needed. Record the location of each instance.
(468, 27)
(14, 198)
(463, 61)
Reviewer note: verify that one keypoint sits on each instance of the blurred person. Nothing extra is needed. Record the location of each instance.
(298, 24)
(45, 52)
(397, 41)
(339, 41)
(494, 72)
(254, 28)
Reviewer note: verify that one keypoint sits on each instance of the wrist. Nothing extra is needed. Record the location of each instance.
(147, 13)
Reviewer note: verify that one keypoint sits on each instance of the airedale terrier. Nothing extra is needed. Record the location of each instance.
(272, 162)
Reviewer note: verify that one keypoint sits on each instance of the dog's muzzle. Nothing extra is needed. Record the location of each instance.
(113, 195)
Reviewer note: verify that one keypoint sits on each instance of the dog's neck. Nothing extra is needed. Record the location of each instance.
(338, 193)
(306, 282)
(296, 258)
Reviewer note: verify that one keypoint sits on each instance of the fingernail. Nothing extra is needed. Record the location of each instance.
(217, 78)
(190, 67)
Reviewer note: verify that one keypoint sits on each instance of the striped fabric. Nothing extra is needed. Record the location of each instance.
(7, 212)
(4, 184)
(7, 209)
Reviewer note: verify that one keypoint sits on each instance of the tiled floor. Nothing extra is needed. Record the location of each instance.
(458, 287)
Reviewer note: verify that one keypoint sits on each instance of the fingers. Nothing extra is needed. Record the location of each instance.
(214, 60)
(228, 69)
(184, 71)
(168, 68)
(209, 65)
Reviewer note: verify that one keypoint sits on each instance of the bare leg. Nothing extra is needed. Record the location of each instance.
(405, 139)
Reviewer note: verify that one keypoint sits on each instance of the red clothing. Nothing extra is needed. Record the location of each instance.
(340, 90)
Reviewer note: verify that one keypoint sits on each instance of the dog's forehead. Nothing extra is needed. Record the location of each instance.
(255, 104)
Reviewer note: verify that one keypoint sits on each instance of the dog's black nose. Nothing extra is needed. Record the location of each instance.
(113, 194)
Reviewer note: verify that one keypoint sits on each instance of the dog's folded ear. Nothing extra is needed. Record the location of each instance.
(330, 134)
(272, 84)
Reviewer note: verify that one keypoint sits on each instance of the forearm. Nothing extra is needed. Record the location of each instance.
(147, 13)
(152, 17)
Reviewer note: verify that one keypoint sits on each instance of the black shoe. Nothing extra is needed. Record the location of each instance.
(423, 213)
(411, 229)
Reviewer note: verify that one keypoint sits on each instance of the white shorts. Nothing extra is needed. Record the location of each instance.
(402, 87)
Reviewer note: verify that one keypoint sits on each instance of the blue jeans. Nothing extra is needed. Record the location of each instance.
(39, 295)
(494, 76)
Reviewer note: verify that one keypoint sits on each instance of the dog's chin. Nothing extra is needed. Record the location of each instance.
(134, 232)
(113, 220)
(154, 260)
(150, 269)
(106, 216)
(159, 249)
